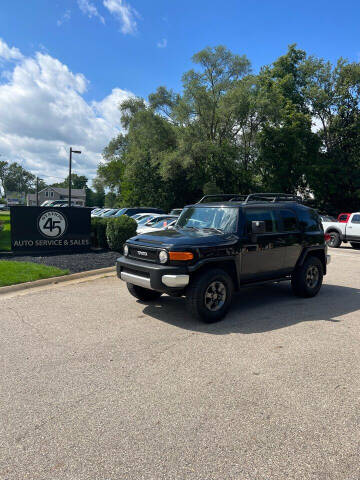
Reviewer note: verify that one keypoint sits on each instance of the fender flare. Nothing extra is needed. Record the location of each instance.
(307, 250)
(334, 229)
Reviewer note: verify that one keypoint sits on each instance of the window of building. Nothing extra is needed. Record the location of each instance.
(46, 193)
(51, 193)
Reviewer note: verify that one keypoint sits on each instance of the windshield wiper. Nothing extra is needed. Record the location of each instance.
(190, 228)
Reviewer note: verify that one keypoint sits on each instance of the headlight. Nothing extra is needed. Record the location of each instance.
(126, 250)
(163, 256)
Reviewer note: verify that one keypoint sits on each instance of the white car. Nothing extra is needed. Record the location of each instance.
(160, 222)
(344, 232)
(142, 217)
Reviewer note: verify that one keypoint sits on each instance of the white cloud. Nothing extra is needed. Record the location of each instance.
(9, 53)
(125, 13)
(43, 113)
(162, 43)
(65, 18)
(90, 10)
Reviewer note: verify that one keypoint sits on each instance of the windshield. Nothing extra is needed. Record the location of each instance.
(145, 219)
(110, 212)
(164, 222)
(223, 219)
(120, 212)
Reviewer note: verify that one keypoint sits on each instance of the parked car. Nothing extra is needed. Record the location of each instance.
(216, 248)
(343, 217)
(100, 212)
(148, 217)
(157, 223)
(95, 210)
(111, 212)
(132, 211)
(3, 206)
(141, 216)
(338, 232)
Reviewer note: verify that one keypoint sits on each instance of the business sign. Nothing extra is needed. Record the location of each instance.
(49, 229)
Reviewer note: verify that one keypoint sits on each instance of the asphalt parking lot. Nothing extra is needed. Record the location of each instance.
(97, 386)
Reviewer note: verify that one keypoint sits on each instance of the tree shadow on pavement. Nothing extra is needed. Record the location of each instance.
(262, 309)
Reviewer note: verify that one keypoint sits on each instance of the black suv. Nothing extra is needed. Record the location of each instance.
(216, 248)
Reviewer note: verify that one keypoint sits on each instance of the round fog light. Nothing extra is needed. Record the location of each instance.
(126, 250)
(163, 256)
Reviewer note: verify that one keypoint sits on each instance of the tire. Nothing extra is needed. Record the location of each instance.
(144, 294)
(209, 295)
(335, 240)
(307, 279)
(355, 245)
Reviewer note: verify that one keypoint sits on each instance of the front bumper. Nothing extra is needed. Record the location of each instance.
(163, 278)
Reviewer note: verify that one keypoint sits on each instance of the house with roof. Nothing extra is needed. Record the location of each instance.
(78, 196)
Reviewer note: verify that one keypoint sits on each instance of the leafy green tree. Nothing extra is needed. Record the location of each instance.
(294, 127)
(3, 173)
(18, 179)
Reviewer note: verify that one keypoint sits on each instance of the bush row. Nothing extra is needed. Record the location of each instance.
(112, 232)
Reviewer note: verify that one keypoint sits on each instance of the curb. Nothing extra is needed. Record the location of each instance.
(54, 280)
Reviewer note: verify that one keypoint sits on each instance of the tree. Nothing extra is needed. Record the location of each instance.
(17, 179)
(294, 127)
(3, 173)
(77, 181)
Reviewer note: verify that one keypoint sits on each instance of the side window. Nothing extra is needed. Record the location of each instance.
(343, 218)
(289, 221)
(309, 220)
(355, 219)
(265, 215)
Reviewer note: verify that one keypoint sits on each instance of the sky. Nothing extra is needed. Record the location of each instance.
(65, 65)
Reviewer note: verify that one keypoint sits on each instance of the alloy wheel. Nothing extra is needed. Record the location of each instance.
(312, 276)
(215, 296)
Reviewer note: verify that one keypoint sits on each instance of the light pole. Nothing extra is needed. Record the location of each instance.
(70, 160)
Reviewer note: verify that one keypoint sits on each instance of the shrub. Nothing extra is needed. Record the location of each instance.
(98, 232)
(118, 230)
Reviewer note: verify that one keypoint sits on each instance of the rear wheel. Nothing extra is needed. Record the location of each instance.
(335, 240)
(141, 293)
(355, 245)
(307, 279)
(209, 295)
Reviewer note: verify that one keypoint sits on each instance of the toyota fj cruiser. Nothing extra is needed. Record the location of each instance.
(216, 248)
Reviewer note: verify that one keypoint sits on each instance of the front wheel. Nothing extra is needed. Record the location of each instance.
(209, 295)
(307, 279)
(355, 245)
(141, 293)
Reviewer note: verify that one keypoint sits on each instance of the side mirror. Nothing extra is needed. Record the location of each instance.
(258, 227)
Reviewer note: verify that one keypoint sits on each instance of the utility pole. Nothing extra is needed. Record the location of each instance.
(37, 191)
(70, 160)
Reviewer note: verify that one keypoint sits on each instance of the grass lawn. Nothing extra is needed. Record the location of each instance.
(19, 272)
(5, 241)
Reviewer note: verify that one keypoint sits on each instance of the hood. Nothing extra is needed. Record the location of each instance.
(179, 237)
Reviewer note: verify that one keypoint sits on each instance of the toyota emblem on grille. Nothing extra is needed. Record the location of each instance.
(141, 253)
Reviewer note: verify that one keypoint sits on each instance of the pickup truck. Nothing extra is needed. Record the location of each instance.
(339, 232)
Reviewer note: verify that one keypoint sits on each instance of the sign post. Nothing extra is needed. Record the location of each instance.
(36, 229)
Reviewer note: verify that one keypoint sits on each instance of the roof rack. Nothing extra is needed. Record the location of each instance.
(272, 197)
(253, 197)
(229, 197)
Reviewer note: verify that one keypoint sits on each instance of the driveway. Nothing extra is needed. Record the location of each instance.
(97, 386)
